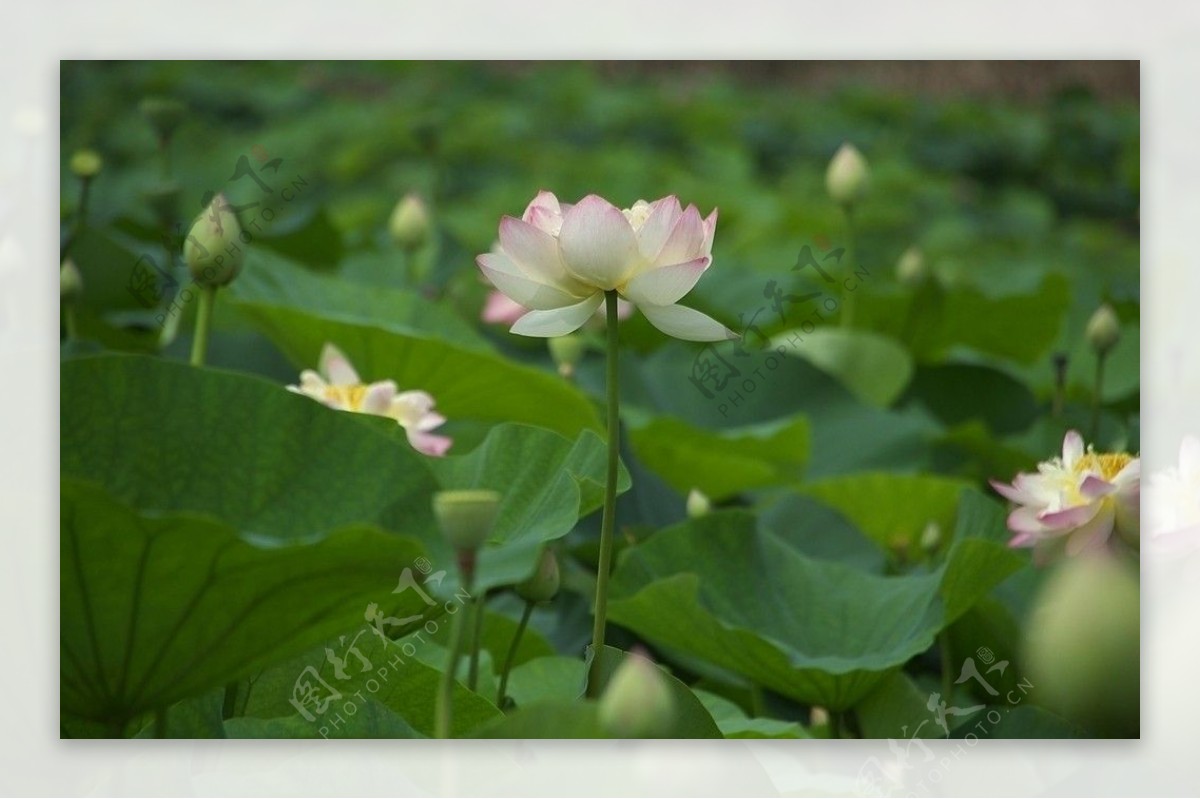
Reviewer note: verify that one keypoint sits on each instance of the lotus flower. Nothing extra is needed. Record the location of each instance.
(338, 385)
(560, 259)
(1175, 501)
(1075, 502)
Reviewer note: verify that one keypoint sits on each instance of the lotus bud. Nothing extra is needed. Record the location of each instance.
(698, 504)
(911, 269)
(1103, 329)
(86, 164)
(213, 250)
(164, 114)
(1082, 645)
(818, 716)
(70, 282)
(931, 537)
(466, 517)
(543, 585)
(637, 702)
(567, 351)
(847, 176)
(410, 225)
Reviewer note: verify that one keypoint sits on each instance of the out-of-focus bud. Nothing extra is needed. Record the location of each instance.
(1082, 645)
(70, 282)
(931, 537)
(214, 251)
(466, 517)
(637, 702)
(86, 164)
(847, 177)
(1103, 329)
(164, 114)
(567, 352)
(698, 504)
(818, 716)
(410, 224)
(542, 586)
(911, 269)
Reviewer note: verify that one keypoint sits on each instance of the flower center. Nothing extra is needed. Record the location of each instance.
(638, 214)
(1108, 464)
(348, 397)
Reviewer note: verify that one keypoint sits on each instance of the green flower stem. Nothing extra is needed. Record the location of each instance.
(947, 674)
(208, 298)
(1096, 392)
(229, 703)
(610, 497)
(512, 654)
(476, 636)
(70, 321)
(758, 706)
(851, 254)
(445, 698)
(835, 724)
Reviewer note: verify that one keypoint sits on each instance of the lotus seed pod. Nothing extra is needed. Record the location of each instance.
(543, 585)
(466, 517)
(213, 251)
(164, 114)
(410, 224)
(637, 702)
(86, 164)
(1103, 329)
(847, 177)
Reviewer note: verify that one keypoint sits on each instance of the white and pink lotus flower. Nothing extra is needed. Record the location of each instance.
(336, 384)
(1075, 503)
(556, 262)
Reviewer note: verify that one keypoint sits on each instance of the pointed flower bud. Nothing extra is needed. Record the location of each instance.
(637, 702)
(1103, 329)
(847, 176)
(543, 585)
(911, 269)
(698, 504)
(70, 282)
(466, 517)
(213, 250)
(567, 352)
(86, 164)
(163, 113)
(410, 224)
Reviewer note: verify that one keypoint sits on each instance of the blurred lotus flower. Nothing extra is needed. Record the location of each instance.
(559, 259)
(1075, 502)
(1175, 501)
(338, 385)
(847, 176)
(409, 224)
(698, 504)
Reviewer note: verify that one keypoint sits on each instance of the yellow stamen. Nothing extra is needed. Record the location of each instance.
(348, 397)
(1108, 464)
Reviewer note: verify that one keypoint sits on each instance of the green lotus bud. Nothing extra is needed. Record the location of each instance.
(911, 269)
(86, 164)
(698, 504)
(847, 176)
(637, 702)
(163, 199)
(543, 585)
(164, 114)
(931, 537)
(70, 282)
(566, 351)
(213, 251)
(1103, 329)
(1082, 645)
(410, 225)
(466, 517)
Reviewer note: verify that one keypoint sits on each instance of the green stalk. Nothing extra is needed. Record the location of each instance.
(610, 497)
(848, 297)
(208, 297)
(512, 654)
(476, 635)
(445, 698)
(1096, 395)
(835, 724)
(229, 703)
(947, 674)
(69, 320)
